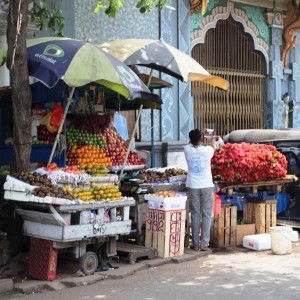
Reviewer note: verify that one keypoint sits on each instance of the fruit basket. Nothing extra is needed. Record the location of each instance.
(169, 175)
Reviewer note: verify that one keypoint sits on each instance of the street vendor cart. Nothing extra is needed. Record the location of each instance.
(88, 230)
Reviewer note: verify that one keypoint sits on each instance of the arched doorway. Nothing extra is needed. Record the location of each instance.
(229, 52)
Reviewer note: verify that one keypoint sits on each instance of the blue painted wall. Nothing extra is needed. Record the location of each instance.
(176, 118)
(177, 114)
(129, 23)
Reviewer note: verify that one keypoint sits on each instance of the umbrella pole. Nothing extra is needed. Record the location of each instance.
(152, 140)
(131, 141)
(61, 125)
(152, 128)
(134, 130)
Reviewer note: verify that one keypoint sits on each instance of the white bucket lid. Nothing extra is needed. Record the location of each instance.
(281, 228)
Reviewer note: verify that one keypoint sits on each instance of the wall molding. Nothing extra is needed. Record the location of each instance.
(223, 13)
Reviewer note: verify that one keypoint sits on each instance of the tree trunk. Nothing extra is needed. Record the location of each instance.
(19, 80)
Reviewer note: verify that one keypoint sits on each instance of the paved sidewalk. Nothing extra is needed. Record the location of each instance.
(78, 279)
(223, 275)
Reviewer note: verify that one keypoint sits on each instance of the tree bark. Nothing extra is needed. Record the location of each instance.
(19, 80)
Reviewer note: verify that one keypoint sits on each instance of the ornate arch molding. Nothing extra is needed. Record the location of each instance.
(223, 13)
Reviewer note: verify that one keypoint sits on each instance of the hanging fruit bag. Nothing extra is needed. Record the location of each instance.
(57, 115)
(47, 122)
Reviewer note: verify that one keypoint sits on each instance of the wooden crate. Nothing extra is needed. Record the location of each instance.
(165, 232)
(223, 229)
(262, 214)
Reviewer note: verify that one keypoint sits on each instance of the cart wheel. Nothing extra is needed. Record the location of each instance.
(88, 263)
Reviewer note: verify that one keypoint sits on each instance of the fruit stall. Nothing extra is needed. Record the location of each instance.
(87, 130)
(74, 203)
(250, 178)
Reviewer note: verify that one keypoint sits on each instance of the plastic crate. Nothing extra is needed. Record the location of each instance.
(42, 260)
(239, 203)
(228, 199)
(283, 202)
(234, 199)
(262, 195)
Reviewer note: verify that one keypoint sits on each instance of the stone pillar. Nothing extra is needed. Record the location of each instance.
(177, 113)
(186, 115)
(294, 81)
(274, 107)
(170, 114)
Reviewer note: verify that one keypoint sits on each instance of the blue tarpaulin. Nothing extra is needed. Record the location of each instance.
(121, 125)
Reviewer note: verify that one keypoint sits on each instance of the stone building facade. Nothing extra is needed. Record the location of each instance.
(261, 21)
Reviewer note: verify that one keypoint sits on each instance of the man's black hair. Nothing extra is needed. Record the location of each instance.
(195, 137)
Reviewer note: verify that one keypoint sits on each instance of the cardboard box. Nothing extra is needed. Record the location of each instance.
(166, 204)
(165, 232)
(243, 230)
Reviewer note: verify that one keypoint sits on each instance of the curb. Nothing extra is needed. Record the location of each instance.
(6, 285)
(81, 281)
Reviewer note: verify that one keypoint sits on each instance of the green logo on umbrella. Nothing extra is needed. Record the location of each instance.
(54, 50)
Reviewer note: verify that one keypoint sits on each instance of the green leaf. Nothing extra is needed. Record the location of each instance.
(108, 10)
(51, 23)
(43, 21)
(143, 10)
(98, 7)
(139, 4)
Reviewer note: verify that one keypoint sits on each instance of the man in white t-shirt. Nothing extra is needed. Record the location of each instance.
(200, 186)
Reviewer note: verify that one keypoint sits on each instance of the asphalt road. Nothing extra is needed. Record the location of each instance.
(250, 275)
(242, 276)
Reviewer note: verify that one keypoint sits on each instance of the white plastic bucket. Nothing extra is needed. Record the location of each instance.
(294, 236)
(281, 241)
